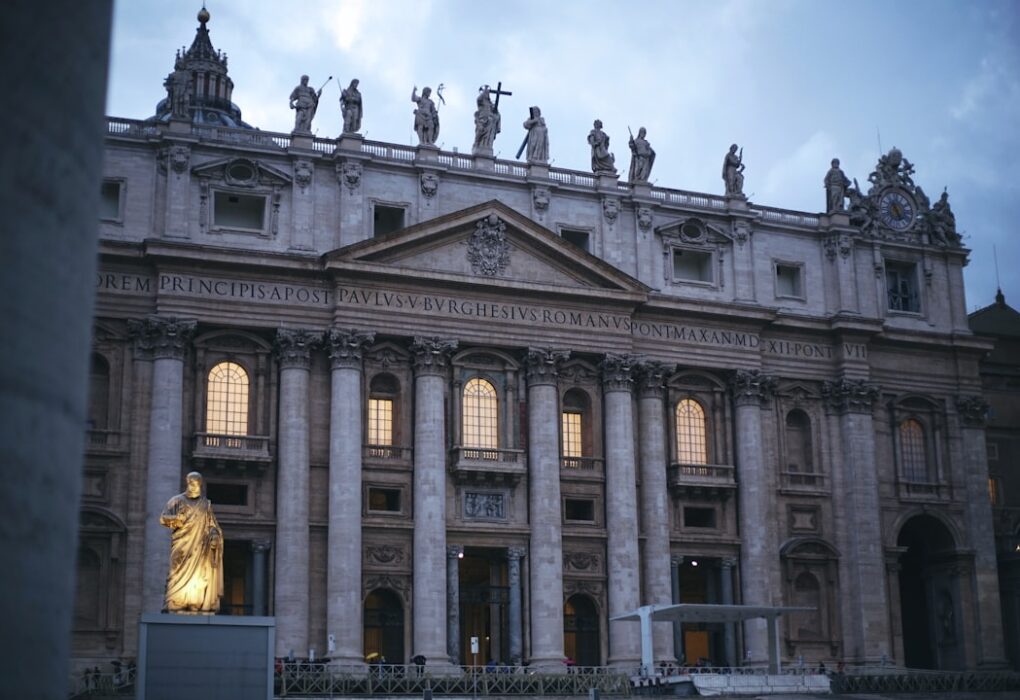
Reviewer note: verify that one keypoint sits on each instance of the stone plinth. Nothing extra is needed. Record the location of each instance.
(199, 657)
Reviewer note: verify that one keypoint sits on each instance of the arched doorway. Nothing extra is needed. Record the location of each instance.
(581, 631)
(929, 595)
(384, 626)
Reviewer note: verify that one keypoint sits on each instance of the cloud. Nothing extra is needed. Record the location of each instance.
(797, 179)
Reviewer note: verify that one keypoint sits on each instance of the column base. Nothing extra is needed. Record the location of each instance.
(554, 665)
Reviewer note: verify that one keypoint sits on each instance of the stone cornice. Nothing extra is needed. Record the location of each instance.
(752, 387)
(544, 364)
(973, 411)
(162, 337)
(849, 395)
(618, 371)
(346, 347)
(432, 355)
(294, 347)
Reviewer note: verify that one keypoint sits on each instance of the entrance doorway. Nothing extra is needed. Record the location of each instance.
(699, 583)
(929, 595)
(237, 583)
(581, 631)
(484, 602)
(384, 627)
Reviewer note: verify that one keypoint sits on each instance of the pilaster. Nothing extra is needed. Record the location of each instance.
(514, 555)
(454, 553)
(175, 162)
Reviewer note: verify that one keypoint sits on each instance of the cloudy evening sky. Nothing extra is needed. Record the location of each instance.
(794, 82)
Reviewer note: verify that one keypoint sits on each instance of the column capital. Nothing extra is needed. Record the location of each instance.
(294, 347)
(431, 355)
(261, 546)
(346, 345)
(652, 378)
(752, 387)
(454, 551)
(727, 563)
(516, 553)
(849, 395)
(676, 559)
(544, 364)
(162, 336)
(618, 371)
(973, 411)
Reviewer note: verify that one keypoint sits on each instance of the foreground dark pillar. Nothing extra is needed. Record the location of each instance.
(54, 75)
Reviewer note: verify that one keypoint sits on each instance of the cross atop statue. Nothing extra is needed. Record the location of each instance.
(497, 92)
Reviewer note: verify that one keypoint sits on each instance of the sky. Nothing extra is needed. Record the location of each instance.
(793, 82)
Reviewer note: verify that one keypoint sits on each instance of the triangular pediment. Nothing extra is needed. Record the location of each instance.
(486, 244)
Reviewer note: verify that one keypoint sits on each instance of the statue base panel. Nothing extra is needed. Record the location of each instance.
(199, 657)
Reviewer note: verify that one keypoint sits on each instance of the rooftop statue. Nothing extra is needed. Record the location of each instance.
(733, 172)
(943, 222)
(350, 107)
(487, 121)
(602, 161)
(304, 101)
(642, 157)
(537, 140)
(892, 169)
(179, 91)
(426, 117)
(194, 583)
(836, 183)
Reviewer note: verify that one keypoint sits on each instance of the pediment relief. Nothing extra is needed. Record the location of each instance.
(488, 242)
(798, 392)
(242, 172)
(233, 341)
(694, 231)
(388, 354)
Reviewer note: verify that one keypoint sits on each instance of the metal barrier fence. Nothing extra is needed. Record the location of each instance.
(304, 679)
(885, 679)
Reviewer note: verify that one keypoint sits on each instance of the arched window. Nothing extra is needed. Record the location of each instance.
(480, 416)
(807, 594)
(99, 393)
(691, 438)
(915, 458)
(574, 428)
(382, 396)
(798, 447)
(226, 407)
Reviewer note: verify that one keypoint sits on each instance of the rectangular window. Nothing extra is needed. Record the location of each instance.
(692, 265)
(699, 517)
(383, 500)
(387, 219)
(579, 238)
(581, 510)
(993, 452)
(788, 281)
(380, 421)
(572, 434)
(901, 286)
(240, 211)
(110, 200)
(226, 494)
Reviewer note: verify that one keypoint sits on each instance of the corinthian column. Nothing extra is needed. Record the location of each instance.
(751, 390)
(293, 350)
(862, 566)
(166, 340)
(431, 361)
(621, 510)
(655, 500)
(343, 552)
(546, 570)
(973, 413)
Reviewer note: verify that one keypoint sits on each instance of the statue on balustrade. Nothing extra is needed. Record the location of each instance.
(194, 583)
(602, 161)
(304, 101)
(179, 91)
(350, 107)
(487, 121)
(426, 117)
(537, 140)
(642, 157)
(943, 222)
(836, 183)
(733, 172)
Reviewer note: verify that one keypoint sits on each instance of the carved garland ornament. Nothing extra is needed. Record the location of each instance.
(488, 248)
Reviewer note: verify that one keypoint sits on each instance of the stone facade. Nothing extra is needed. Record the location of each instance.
(458, 424)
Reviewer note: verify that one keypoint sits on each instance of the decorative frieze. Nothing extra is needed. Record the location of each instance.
(973, 411)
(293, 348)
(484, 506)
(589, 562)
(540, 196)
(429, 184)
(385, 554)
(618, 371)
(644, 218)
(651, 378)
(840, 244)
(752, 386)
(432, 355)
(399, 584)
(849, 395)
(348, 174)
(543, 365)
(303, 171)
(488, 249)
(593, 588)
(611, 209)
(162, 336)
(346, 347)
(175, 158)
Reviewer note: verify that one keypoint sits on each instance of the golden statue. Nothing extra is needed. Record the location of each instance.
(194, 583)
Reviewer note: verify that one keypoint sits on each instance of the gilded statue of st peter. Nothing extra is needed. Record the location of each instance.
(194, 583)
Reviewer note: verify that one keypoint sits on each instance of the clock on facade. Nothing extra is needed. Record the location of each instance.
(896, 210)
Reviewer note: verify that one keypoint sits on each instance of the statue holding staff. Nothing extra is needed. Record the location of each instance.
(642, 157)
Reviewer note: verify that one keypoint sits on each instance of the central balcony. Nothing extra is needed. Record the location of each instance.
(487, 465)
(704, 481)
(243, 454)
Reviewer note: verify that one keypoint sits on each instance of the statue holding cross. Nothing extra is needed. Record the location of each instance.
(487, 119)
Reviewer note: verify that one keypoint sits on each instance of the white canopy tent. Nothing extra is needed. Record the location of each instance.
(690, 612)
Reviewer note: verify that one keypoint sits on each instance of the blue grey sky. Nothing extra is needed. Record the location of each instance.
(794, 82)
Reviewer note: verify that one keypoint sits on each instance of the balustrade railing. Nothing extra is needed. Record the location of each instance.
(702, 472)
(393, 453)
(923, 490)
(807, 481)
(214, 444)
(104, 438)
(582, 464)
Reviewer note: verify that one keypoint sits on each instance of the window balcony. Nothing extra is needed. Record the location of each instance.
(584, 468)
(803, 482)
(704, 481)
(482, 464)
(387, 456)
(232, 453)
(924, 491)
(102, 440)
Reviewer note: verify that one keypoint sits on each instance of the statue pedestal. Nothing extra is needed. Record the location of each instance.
(205, 657)
(738, 203)
(538, 171)
(350, 142)
(427, 154)
(641, 190)
(836, 219)
(484, 161)
(180, 126)
(607, 181)
(301, 141)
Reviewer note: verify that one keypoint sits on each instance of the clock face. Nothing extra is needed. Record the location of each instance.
(896, 211)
